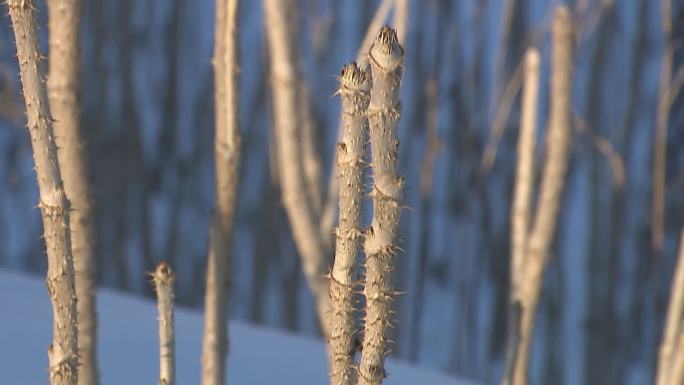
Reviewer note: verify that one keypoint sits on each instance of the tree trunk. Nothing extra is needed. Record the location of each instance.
(671, 354)
(354, 88)
(551, 189)
(63, 93)
(386, 57)
(227, 156)
(300, 210)
(54, 206)
(521, 210)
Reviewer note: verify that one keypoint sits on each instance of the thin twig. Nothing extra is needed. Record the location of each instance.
(606, 148)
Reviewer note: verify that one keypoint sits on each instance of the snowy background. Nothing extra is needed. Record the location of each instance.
(129, 348)
(148, 112)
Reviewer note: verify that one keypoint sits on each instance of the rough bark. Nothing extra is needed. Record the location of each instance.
(163, 283)
(54, 206)
(354, 89)
(551, 189)
(379, 18)
(386, 57)
(671, 354)
(328, 211)
(64, 17)
(300, 210)
(227, 149)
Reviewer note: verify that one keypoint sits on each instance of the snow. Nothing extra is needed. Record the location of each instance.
(129, 349)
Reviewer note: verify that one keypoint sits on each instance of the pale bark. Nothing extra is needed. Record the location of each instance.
(354, 89)
(227, 153)
(63, 84)
(386, 58)
(163, 283)
(63, 352)
(376, 23)
(401, 15)
(524, 179)
(671, 354)
(551, 189)
(521, 210)
(300, 210)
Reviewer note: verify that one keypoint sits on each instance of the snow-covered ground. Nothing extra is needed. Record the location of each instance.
(129, 347)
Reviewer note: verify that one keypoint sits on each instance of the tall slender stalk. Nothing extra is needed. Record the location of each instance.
(300, 210)
(163, 283)
(671, 352)
(381, 12)
(551, 189)
(227, 155)
(54, 206)
(64, 18)
(521, 211)
(660, 134)
(386, 58)
(354, 89)
(524, 179)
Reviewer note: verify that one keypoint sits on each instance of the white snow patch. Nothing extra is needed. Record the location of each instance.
(128, 347)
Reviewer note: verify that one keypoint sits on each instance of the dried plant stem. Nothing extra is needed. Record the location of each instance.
(671, 352)
(63, 84)
(328, 211)
(63, 352)
(163, 283)
(660, 134)
(354, 89)
(524, 179)
(521, 210)
(551, 189)
(227, 153)
(386, 57)
(300, 210)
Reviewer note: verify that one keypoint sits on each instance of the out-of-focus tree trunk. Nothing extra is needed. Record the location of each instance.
(600, 334)
(671, 354)
(622, 223)
(280, 21)
(539, 243)
(63, 92)
(660, 134)
(521, 210)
